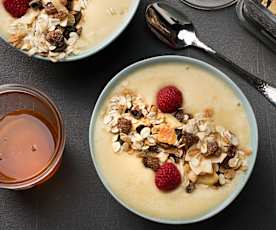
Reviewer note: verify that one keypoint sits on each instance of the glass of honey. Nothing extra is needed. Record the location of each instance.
(32, 137)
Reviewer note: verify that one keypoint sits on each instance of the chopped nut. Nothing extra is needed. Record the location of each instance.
(234, 163)
(229, 174)
(151, 162)
(125, 146)
(124, 125)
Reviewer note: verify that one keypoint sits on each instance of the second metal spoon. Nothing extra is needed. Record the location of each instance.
(175, 29)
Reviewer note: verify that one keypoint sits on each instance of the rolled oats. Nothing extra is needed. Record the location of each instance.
(204, 153)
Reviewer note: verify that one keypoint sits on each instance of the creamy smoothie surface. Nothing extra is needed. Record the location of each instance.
(58, 29)
(133, 180)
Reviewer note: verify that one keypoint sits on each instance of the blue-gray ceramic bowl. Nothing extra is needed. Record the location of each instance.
(216, 73)
(93, 50)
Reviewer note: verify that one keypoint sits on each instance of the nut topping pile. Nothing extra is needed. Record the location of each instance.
(49, 28)
(202, 152)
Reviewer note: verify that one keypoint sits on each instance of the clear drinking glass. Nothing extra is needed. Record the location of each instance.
(19, 97)
(209, 4)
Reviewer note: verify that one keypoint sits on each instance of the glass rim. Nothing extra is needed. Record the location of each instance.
(60, 144)
(208, 8)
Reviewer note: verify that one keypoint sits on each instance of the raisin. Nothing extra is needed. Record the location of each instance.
(151, 162)
(175, 158)
(139, 128)
(212, 149)
(232, 151)
(137, 114)
(154, 149)
(224, 164)
(36, 4)
(190, 188)
(179, 115)
(69, 4)
(178, 133)
(77, 15)
(68, 30)
(124, 125)
(60, 48)
(55, 37)
(182, 116)
(164, 145)
(50, 8)
(189, 140)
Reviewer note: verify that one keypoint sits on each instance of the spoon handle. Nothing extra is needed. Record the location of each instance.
(263, 87)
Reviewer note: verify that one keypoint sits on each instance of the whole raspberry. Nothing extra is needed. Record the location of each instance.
(169, 99)
(167, 177)
(17, 8)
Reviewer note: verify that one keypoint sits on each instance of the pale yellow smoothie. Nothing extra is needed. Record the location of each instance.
(126, 175)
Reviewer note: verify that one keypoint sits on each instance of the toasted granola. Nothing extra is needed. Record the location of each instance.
(204, 152)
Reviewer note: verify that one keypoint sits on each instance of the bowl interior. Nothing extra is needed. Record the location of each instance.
(216, 73)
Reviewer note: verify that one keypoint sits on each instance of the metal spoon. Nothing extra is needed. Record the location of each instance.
(175, 29)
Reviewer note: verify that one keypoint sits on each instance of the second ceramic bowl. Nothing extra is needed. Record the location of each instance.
(215, 73)
(105, 42)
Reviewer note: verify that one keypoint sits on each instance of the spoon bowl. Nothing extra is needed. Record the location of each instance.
(175, 29)
(169, 25)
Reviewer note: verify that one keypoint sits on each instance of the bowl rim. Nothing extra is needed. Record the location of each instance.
(93, 50)
(59, 149)
(217, 73)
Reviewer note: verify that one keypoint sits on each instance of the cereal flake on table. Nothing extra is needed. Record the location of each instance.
(203, 152)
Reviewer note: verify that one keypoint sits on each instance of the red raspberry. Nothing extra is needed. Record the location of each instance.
(167, 177)
(17, 8)
(169, 99)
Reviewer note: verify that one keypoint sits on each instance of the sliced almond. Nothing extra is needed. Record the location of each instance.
(172, 121)
(208, 179)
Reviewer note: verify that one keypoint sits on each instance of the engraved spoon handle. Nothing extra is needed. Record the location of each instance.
(263, 87)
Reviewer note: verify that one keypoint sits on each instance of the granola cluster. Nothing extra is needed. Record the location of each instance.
(51, 28)
(203, 152)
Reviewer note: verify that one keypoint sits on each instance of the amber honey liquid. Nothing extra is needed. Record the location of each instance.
(27, 145)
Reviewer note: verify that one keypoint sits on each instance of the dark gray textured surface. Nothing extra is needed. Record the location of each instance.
(75, 197)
